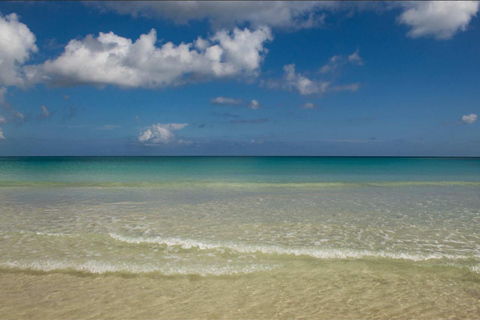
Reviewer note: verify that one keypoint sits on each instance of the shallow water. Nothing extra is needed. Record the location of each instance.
(255, 238)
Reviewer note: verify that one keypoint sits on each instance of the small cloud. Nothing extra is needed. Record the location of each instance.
(2, 137)
(295, 81)
(254, 105)
(66, 96)
(242, 121)
(309, 105)
(163, 134)
(2, 119)
(52, 44)
(469, 119)
(223, 101)
(355, 58)
(45, 113)
(338, 61)
(137, 118)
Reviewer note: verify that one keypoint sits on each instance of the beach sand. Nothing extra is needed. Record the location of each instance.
(311, 289)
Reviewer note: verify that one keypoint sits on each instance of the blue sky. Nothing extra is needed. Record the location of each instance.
(240, 78)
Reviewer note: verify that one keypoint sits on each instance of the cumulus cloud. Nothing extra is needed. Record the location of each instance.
(10, 114)
(163, 134)
(2, 137)
(254, 105)
(469, 119)
(17, 43)
(338, 61)
(226, 14)
(110, 59)
(439, 19)
(222, 101)
(294, 81)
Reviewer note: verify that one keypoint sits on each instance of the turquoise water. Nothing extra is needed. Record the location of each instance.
(238, 169)
(407, 227)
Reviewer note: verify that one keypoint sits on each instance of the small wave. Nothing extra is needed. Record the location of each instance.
(97, 267)
(319, 253)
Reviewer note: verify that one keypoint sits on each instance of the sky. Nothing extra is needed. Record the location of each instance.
(240, 78)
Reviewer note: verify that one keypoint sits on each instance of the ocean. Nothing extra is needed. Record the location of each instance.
(239, 238)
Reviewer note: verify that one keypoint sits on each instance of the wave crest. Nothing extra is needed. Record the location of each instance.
(318, 253)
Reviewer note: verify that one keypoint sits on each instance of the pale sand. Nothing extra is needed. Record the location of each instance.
(313, 290)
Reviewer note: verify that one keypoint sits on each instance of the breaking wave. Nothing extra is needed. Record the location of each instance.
(319, 253)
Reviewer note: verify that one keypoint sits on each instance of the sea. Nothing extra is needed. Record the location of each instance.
(239, 238)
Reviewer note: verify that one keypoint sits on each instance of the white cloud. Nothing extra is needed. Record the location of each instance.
(16, 45)
(45, 112)
(469, 119)
(223, 101)
(162, 134)
(309, 105)
(113, 60)
(2, 137)
(2, 119)
(338, 61)
(254, 105)
(355, 58)
(439, 19)
(221, 14)
(294, 81)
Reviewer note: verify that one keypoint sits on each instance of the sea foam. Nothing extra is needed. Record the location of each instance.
(319, 253)
(99, 267)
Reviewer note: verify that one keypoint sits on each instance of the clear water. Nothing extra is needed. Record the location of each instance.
(246, 237)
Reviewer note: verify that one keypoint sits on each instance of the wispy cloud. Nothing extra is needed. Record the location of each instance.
(297, 82)
(223, 101)
(45, 113)
(339, 61)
